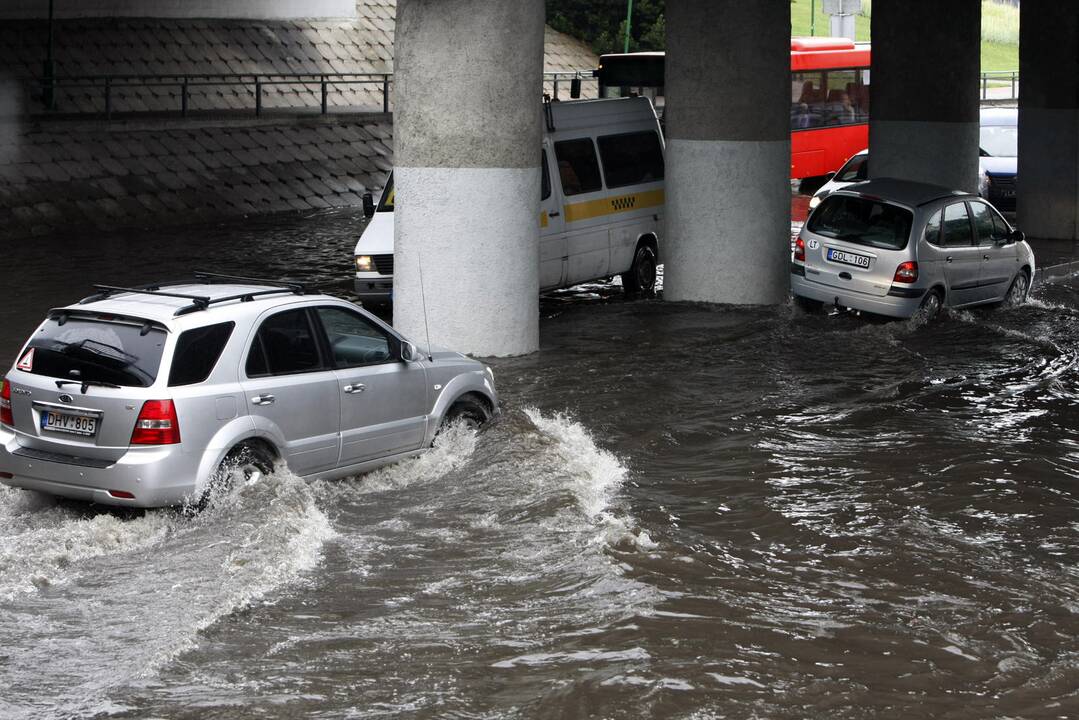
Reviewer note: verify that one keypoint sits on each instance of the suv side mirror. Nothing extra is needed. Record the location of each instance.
(1017, 236)
(368, 205)
(408, 351)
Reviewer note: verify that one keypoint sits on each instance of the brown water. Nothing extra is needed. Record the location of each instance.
(685, 512)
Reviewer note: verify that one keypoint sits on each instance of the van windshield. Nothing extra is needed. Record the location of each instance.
(385, 203)
(862, 221)
(119, 353)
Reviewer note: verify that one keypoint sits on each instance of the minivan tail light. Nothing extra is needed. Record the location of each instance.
(6, 416)
(800, 249)
(157, 424)
(906, 272)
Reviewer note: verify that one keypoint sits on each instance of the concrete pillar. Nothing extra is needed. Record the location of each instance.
(467, 135)
(924, 91)
(1048, 180)
(728, 151)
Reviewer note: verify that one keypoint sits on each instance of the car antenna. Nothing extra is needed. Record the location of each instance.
(423, 304)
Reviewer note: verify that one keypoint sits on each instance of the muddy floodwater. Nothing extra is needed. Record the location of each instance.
(684, 512)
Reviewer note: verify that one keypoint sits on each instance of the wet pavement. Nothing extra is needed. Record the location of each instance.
(685, 512)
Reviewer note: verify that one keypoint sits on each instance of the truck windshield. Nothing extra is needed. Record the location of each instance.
(385, 203)
(120, 353)
(862, 221)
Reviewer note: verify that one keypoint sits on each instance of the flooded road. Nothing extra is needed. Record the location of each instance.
(685, 512)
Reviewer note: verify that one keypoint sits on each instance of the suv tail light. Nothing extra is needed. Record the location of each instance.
(906, 272)
(6, 416)
(157, 424)
(800, 249)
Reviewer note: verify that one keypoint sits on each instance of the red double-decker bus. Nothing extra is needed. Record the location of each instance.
(829, 97)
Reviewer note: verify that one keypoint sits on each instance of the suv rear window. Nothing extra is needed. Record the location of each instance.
(197, 352)
(862, 221)
(124, 353)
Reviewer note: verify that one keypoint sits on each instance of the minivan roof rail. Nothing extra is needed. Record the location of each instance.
(198, 302)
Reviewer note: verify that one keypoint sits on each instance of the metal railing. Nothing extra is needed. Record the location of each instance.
(559, 78)
(1000, 85)
(109, 85)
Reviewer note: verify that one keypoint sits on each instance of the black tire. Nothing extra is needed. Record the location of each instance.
(808, 305)
(931, 306)
(1019, 290)
(471, 411)
(242, 462)
(641, 276)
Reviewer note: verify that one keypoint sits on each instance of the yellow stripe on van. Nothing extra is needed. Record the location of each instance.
(611, 205)
(543, 218)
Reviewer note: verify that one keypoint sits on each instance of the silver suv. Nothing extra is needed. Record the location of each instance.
(895, 248)
(144, 397)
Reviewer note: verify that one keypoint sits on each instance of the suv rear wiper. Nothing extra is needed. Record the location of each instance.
(87, 383)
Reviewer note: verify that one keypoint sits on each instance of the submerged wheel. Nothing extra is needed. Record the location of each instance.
(1020, 288)
(473, 413)
(931, 306)
(243, 463)
(808, 305)
(641, 276)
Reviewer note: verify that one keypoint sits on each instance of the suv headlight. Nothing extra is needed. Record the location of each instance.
(364, 263)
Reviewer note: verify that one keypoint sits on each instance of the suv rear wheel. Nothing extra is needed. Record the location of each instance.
(243, 464)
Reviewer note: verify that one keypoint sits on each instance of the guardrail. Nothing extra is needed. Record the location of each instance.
(1000, 85)
(107, 86)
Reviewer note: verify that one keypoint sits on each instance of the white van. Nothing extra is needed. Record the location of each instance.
(602, 217)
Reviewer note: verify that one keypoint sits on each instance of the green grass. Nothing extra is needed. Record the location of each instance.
(1000, 29)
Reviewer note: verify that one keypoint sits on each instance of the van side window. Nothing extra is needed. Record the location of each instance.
(578, 168)
(546, 176)
(631, 158)
(983, 222)
(285, 344)
(932, 230)
(957, 232)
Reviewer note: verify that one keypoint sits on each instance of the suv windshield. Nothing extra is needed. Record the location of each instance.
(115, 352)
(862, 221)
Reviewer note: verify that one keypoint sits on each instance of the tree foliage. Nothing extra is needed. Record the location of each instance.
(602, 23)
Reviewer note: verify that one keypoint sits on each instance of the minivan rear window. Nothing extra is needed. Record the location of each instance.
(124, 353)
(862, 221)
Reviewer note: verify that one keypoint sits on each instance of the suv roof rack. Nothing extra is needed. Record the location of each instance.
(199, 302)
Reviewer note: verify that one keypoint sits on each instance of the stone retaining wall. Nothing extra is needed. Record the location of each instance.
(54, 178)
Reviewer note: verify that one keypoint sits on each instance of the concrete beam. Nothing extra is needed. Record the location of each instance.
(1048, 189)
(924, 91)
(467, 127)
(728, 151)
(245, 9)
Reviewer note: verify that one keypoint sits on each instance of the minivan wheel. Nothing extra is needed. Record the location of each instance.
(641, 277)
(1017, 293)
(930, 306)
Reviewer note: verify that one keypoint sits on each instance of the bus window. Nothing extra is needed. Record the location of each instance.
(807, 97)
(577, 166)
(631, 158)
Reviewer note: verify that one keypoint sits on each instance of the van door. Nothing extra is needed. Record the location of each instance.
(586, 210)
(552, 229)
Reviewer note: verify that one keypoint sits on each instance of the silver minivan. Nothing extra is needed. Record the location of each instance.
(896, 247)
(146, 397)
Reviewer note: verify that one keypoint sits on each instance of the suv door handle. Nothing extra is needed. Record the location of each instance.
(353, 389)
(948, 259)
(985, 257)
(263, 399)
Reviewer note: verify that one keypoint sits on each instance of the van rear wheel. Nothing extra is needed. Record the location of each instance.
(641, 276)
